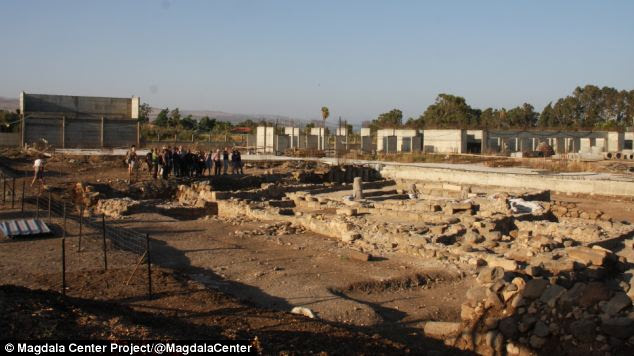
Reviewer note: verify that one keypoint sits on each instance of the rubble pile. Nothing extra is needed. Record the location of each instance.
(84, 195)
(517, 314)
(117, 207)
(276, 229)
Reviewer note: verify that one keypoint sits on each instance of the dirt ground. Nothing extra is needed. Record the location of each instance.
(235, 285)
(214, 279)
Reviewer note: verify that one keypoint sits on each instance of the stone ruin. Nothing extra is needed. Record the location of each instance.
(551, 277)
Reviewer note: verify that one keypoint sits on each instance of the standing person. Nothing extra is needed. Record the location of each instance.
(176, 159)
(216, 159)
(225, 160)
(239, 162)
(208, 163)
(168, 161)
(234, 163)
(155, 162)
(38, 173)
(165, 162)
(131, 160)
(148, 161)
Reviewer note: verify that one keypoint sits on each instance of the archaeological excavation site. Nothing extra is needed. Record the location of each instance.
(323, 256)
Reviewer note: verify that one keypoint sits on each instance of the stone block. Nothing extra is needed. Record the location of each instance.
(442, 329)
(587, 256)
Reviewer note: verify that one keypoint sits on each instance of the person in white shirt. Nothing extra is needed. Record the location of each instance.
(38, 172)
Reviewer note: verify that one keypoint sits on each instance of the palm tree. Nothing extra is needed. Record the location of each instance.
(324, 114)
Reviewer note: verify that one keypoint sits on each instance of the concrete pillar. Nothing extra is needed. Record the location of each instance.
(63, 131)
(357, 191)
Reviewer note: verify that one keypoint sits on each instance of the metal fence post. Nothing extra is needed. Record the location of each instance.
(81, 220)
(63, 266)
(13, 195)
(103, 229)
(64, 217)
(149, 266)
(23, 189)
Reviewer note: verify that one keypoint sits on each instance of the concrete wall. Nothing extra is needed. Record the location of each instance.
(9, 139)
(319, 132)
(404, 133)
(81, 132)
(380, 134)
(66, 121)
(264, 137)
(45, 105)
(445, 141)
(615, 141)
(282, 143)
(366, 143)
(293, 134)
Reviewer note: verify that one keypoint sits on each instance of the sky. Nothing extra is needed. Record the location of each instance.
(359, 58)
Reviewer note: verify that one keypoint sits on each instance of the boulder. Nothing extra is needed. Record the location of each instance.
(588, 256)
(534, 288)
(622, 328)
(442, 329)
(583, 330)
(617, 303)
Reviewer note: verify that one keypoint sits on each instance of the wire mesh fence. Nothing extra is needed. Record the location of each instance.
(88, 241)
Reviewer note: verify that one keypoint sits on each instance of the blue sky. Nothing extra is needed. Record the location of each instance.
(360, 58)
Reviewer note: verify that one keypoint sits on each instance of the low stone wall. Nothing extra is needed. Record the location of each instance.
(578, 184)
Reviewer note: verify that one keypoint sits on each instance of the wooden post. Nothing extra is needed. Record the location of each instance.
(102, 132)
(37, 206)
(103, 229)
(63, 266)
(149, 266)
(4, 189)
(63, 131)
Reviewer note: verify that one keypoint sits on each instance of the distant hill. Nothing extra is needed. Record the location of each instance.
(9, 104)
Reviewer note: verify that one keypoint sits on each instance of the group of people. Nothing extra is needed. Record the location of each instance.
(181, 162)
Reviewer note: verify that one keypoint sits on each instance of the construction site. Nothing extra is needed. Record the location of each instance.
(469, 254)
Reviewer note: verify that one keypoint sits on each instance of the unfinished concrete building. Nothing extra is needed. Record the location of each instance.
(79, 121)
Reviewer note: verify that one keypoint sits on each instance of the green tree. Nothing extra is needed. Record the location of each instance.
(223, 127)
(521, 117)
(206, 124)
(174, 118)
(144, 113)
(547, 118)
(449, 111)
(391, 119)
(188, 123)
(162, 119)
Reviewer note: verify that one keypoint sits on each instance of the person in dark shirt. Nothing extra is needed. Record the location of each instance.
(225, 160)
